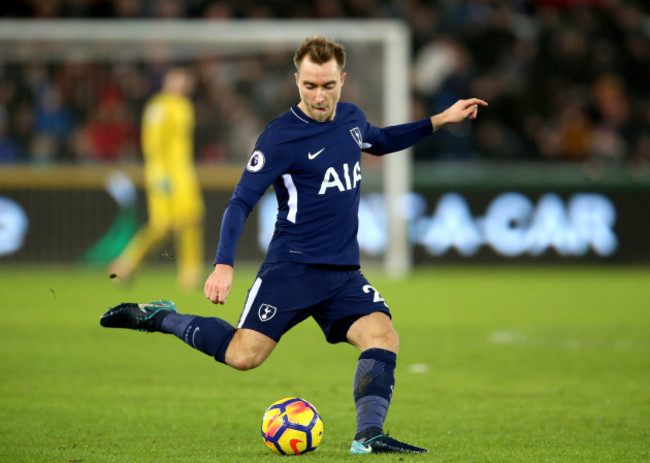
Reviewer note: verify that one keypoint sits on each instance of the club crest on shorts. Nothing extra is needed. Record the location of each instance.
(256, 162)
(267, 312)
(356, 134)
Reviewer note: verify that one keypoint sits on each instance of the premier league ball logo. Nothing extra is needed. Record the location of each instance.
(256, 162)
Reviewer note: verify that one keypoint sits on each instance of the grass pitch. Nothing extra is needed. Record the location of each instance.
(497, 364)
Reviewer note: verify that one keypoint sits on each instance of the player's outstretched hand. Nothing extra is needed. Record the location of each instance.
(459, 111)
(217, 286)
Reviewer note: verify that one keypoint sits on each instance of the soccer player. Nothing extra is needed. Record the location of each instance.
(175, 204)
(311, 155)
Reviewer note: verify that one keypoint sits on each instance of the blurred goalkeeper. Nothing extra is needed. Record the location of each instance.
(312, 156)
(175, 204)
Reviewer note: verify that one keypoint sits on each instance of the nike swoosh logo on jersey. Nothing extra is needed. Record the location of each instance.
(312, 156)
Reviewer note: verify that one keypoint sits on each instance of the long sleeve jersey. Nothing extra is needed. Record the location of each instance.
(315, 169)
(167, 145)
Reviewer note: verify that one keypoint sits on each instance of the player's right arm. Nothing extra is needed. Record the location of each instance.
(261, 171)
(218, 284)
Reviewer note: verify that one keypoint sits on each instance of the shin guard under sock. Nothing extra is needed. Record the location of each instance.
(210, 335)
(374, 381)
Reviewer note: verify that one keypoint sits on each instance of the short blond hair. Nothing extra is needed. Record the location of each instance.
(320, 51)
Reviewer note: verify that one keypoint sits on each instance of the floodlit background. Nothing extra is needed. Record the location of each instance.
(556, 169)
(524, 319)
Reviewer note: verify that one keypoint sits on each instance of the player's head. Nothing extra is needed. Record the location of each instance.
(320, 51)
(178, 80)
(319, 76)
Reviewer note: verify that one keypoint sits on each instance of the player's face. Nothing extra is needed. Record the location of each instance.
(179, 81)
(319, 86)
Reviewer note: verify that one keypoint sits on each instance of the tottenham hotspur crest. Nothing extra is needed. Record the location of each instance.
(356, 134)
(266, 312)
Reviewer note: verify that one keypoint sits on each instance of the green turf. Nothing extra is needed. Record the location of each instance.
(497, 365)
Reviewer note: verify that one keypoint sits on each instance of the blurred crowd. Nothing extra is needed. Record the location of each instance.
(567, 80)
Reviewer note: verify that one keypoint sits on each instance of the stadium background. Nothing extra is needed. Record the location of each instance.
(568, 87)
(498, 363)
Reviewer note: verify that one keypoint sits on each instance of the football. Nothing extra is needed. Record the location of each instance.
(292, 426)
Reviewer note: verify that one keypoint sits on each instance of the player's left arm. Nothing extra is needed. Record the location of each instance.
(458, 112)
(398, 137)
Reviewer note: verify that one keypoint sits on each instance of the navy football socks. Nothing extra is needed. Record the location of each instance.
(374, 381)
(210, 335)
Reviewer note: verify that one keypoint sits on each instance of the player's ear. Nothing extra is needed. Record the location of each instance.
(297, 79)
(343, 74)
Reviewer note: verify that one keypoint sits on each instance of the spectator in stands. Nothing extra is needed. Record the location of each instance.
(567, 80)
(109, 134)
(9, 151)
(53, 119)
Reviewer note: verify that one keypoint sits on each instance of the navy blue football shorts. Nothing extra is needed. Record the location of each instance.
(284, 294)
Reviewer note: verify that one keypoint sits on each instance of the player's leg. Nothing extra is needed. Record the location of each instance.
(374, 331)
(189, 246)
(374, 382)
(188, 213)
(149, 237)
(279, 299)
(360, 316)
(242, 349)
(374, 379)
(248, 349)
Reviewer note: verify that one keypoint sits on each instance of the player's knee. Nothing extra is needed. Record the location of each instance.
(389, 340)
(382, 339)
(248, 349)
(244, 359)
(374, 331)
(244, 362)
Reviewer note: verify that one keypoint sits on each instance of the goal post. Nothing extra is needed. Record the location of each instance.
(397, 167)
(124, 40)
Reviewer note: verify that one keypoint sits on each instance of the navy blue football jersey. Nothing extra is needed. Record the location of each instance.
(315, 169)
